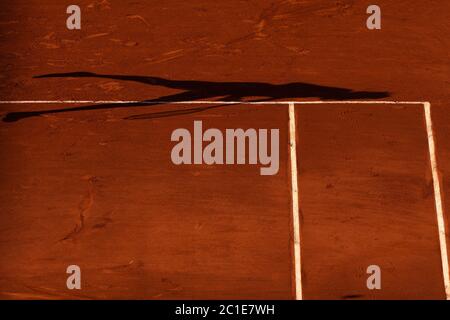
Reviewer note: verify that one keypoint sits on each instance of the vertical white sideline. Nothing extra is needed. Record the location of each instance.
(295, 209)
(438, 199)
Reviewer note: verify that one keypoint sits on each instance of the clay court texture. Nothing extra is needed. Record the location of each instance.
(86, 172)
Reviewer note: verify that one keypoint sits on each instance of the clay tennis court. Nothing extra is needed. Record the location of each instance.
(87, 178)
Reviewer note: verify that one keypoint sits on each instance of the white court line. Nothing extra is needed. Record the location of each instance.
(206, 102)
(295, 210)
(438, 199)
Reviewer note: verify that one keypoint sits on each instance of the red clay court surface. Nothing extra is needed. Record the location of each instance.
(95, 186)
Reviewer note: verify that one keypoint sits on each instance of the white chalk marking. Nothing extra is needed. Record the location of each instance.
(205, 102)
(438, 199)
(295, 209)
